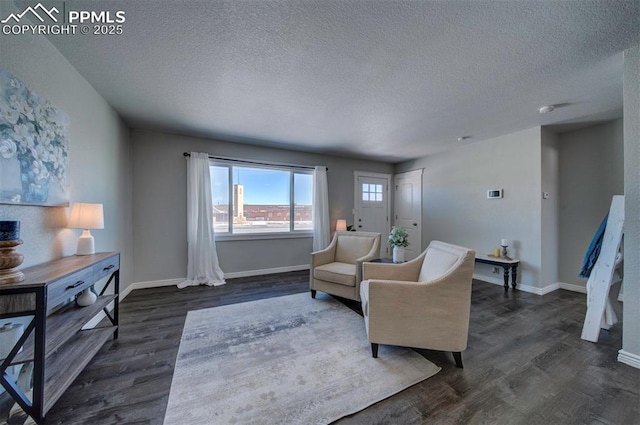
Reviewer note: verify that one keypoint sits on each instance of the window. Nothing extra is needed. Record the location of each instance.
(372, 192)
(251, 199)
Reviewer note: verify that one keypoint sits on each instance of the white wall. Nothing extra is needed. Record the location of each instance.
(549, 225)
(456, 208)
(591, 172)
(99, 155)
(159, 205)
(630, 352)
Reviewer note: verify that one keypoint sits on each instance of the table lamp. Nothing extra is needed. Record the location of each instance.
(341, 225)
(86, 216)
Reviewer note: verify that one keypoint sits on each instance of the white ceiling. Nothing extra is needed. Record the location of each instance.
(388, 80)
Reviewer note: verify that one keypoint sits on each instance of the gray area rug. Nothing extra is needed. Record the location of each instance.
(285, 360)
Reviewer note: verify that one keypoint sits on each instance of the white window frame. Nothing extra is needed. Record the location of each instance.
(292, 170)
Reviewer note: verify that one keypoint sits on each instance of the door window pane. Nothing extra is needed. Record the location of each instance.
(372, 192)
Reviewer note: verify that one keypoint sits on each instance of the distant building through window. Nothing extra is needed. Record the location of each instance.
(261, 199)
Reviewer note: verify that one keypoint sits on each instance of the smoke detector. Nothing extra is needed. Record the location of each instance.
(546, 109)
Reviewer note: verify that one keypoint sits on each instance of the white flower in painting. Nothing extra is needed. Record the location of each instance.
(8, 115)
(40, 153)
(43, 139)
(22, 105)
(57, 158)
(23, 133)
(33, 130)
(16, 199)
(62, 175)
(8, 149)
(39, 170)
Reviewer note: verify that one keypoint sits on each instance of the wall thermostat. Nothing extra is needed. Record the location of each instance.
(494, 193)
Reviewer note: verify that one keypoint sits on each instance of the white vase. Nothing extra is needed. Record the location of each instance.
(398, 254)
(86, 298)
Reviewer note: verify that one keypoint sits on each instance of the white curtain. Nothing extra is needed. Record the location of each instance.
(320, 209)
(203, 267)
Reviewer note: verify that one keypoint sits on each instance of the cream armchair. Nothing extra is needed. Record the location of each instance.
(337, 269)
(424, 303)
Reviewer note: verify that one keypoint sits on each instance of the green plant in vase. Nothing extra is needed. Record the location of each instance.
(398, 240)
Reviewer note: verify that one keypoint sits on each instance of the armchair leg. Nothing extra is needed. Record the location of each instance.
(374, 350)
(313, 293)
(458, 358)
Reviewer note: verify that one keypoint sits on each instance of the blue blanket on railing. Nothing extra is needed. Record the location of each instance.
(594, 249)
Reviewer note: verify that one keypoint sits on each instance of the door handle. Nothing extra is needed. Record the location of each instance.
(415, 224)
(360, 225)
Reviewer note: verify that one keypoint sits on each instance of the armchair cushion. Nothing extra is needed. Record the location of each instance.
(437, 262)
(341, 273)
(350, 249)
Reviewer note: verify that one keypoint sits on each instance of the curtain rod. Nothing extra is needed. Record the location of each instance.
(245, 161)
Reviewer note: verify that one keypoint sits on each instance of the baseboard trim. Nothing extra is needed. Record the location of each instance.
(525, 288)
(573, 287)
(583, 289)
(261, 272)
(233, 275)
(150, 284)
(174, 282)
(628, 358)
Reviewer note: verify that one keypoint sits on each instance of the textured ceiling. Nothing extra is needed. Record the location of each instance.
(389, 80)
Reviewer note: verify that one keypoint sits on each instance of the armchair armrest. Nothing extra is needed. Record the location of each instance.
(408, 271)
(431, 314)
(373, 253)
(324, 256)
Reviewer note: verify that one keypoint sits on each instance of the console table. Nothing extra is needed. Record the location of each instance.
(53, 339)
(508, 264)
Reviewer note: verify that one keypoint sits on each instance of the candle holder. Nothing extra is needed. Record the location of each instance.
(9, 258)
(504, 251)
(9, 261)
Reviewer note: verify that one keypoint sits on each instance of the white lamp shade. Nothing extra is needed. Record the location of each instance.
(86, 216)
(341, 225)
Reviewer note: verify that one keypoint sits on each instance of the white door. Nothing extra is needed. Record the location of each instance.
(408, 209)
(372, 206)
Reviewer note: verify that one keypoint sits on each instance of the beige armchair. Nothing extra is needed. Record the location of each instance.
(337, 269)
(423, 303)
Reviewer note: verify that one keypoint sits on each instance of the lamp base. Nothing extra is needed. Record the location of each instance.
(86, 244)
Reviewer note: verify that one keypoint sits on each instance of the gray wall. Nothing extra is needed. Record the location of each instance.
(631, 324)
(591, 172)
(99, 155)
(456, 208)
(159, 205)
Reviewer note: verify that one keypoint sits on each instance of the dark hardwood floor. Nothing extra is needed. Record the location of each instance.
(525, 363)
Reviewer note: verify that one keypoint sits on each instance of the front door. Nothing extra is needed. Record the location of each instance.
(408, 209)
(372, 206)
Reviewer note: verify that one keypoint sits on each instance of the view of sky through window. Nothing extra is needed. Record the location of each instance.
(260, 199)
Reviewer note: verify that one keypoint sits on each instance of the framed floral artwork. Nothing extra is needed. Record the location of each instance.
(34, 147)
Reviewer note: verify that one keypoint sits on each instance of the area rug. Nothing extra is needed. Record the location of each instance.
(284, 360)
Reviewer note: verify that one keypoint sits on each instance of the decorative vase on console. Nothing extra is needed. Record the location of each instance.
(398, 240)
(86, 298)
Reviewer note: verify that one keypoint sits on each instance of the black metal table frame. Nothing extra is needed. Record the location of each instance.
(37, 325)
